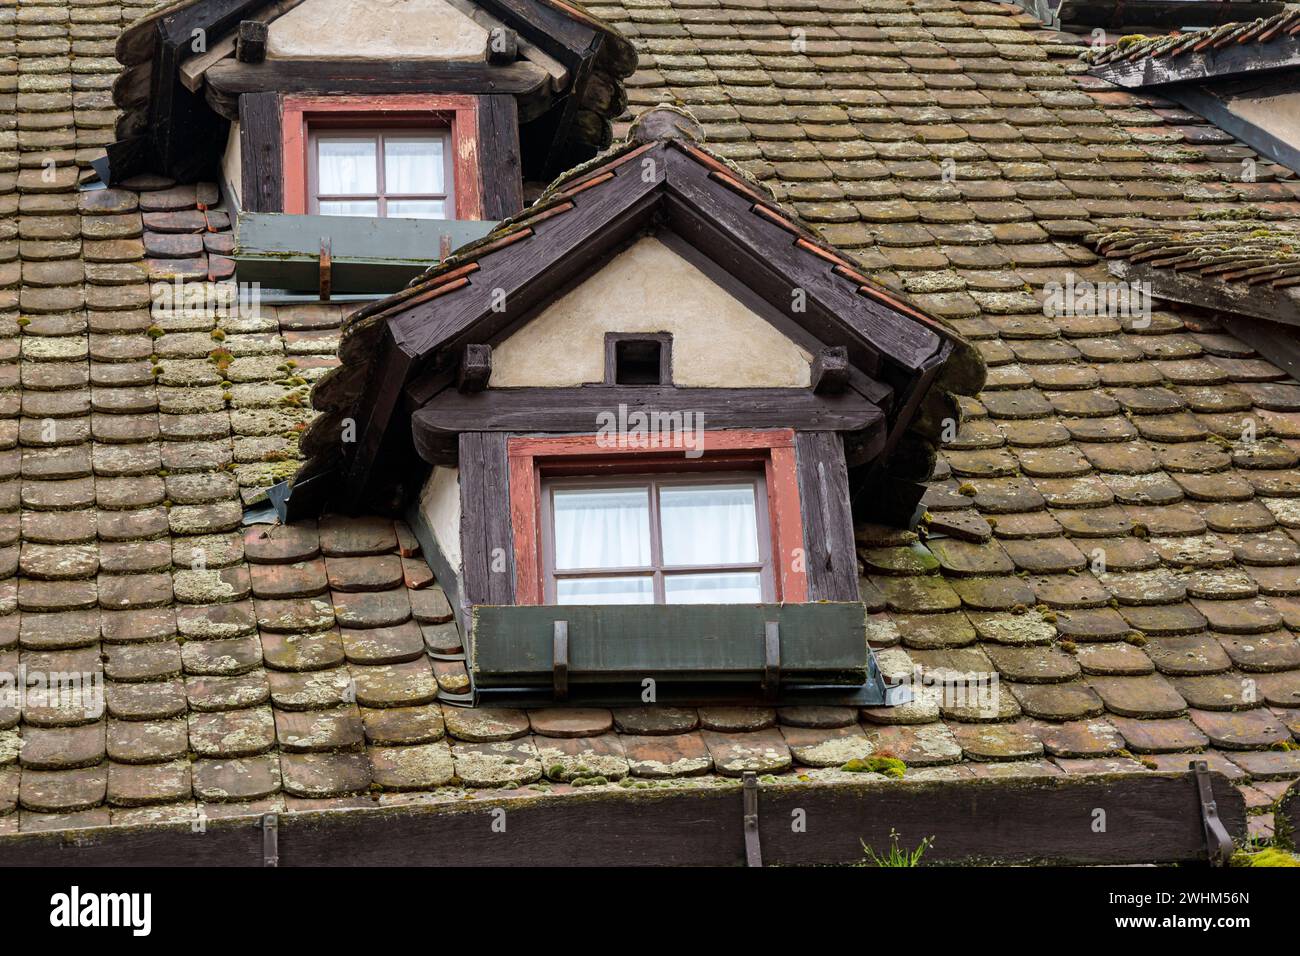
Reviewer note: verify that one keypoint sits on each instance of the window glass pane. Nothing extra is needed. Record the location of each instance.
(349, 207)
(413, 164)
(417, 209)
(604, 591)
(709, 524)
(346, 166)
(729, 588)
(602, 527)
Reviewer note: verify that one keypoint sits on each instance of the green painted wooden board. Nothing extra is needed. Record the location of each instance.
(820, 643)
(368, 254)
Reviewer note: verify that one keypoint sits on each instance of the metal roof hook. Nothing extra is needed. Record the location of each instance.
(753, 846)
(1218, 844)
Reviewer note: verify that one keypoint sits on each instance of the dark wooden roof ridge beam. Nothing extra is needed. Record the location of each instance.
(1200, 65)
(1258, 301)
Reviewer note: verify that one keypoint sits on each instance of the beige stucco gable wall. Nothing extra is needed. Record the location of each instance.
(440, 509)
(718, 342)
(376, 30)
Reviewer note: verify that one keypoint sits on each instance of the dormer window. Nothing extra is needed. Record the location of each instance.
(399, 172)
(387, 157)
(657, 539)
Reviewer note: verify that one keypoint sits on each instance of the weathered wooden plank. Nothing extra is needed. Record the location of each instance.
(193, 68)
(498, 150)
(1260, 301)
(487, 539)
(1215, 102)
(1153, 13)
(261, 150)
(830, 370)
(829, 549)
(593, 408)
(820, 643)
(473, 520)
(499, 533)
(562, 36)
(528, 82)
(1149, 818)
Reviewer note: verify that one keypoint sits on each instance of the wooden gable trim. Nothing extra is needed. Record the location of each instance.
(555, 252)
(529, 458)
(461, 112)
(767, 252)
(1260, 301)
(1202, 64)
(558, 248)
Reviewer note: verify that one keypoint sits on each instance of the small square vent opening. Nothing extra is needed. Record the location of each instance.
(638, 362)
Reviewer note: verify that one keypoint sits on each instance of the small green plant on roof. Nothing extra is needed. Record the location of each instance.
(889, 766)
(896, 855)
(1266, 856)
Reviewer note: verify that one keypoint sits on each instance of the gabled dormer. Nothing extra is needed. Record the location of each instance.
(632, 427)
(425, 109)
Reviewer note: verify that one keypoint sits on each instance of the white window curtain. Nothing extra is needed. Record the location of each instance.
(413, 164)
(347, 167)
(708, 524)
(602, 528)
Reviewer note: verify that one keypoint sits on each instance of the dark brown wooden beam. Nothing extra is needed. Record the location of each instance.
(528, 82)
(499, 159)
(251, 46)
(586, 409)
(261, 149)
(502, 45)
(475, 368)
(561, 247)
(1149, 818)
(830, 370)
(830, 553)
(486, 536)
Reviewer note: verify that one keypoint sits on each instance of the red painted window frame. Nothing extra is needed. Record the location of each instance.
(772, 450)
(458, 112)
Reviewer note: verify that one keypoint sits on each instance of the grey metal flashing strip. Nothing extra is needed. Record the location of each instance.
(1198, 100)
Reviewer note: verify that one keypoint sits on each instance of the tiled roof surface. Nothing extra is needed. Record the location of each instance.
(289, 673)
